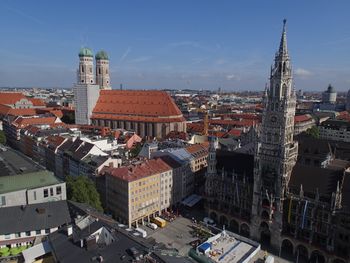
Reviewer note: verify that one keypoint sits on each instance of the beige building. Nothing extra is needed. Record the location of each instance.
(199, 153)
(137, 192)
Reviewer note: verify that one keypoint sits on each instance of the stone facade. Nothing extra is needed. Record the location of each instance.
(300, 210)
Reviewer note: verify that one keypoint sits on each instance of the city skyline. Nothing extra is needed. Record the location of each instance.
(175, 46)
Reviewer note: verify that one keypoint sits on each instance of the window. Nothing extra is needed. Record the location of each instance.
(7, 236)
(34, 195)
(58, 190)
(51, 191)
(3, 201)
(47, 231)
(38, 232)
(18, 234)
(46, 193)
(28, 233)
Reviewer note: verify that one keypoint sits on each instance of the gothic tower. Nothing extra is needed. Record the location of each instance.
(276, 151)
(102, 70)
(211, 170)
(85, 74)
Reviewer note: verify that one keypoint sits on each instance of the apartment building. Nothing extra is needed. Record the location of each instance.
(337, 130)
(139, 191)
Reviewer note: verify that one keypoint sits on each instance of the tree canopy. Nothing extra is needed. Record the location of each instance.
(2, 137)
(82, 189)
(314, 132)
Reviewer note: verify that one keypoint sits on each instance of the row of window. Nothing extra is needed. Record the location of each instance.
(46, 192)
(28, 233)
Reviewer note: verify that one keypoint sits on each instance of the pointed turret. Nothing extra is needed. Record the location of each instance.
(283, 45)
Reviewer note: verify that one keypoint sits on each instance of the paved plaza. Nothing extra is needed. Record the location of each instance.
(175, 235)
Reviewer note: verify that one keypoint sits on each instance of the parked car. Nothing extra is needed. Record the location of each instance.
(152, 226)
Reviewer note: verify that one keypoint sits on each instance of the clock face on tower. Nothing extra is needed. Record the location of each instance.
(273, 119)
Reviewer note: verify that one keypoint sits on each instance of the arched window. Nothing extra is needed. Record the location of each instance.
(99, 71)
(277, 90)
(284, 90)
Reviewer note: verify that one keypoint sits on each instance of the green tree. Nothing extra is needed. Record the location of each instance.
(83, 190)
(134, 152)
(68, 118)
(314, 132)
(2, 137)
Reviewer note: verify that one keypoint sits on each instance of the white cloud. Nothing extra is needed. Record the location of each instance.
(232, 77)
(300, 72)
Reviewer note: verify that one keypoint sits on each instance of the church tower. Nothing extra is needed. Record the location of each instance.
(85, 74)
(276, 151)
(102, 70)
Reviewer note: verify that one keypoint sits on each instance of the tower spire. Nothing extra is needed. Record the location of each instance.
(283, 45)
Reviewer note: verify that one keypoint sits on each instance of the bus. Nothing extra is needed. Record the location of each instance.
(158, 221)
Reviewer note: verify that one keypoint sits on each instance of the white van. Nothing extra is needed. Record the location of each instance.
(142, 232)
(152, 226)
(209, 221)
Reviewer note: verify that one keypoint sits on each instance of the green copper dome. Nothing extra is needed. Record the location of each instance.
(85, 52)
(102, 55)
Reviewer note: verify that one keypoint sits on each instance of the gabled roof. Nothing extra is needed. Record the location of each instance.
(197, 150)
(22, 122)
(136, 171)
(11, 97)
(136, 105)
(302, 118)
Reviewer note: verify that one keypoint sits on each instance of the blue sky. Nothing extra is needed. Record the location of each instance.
(175, 44)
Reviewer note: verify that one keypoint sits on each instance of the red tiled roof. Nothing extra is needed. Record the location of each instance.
(37, 102)
(132, 140)
(197, 150)
(218, 134)
(302, 118)
(7, 110)
(136, 103)
(234, 132)
(240, 123)
(11, 97)
(56, 112)
(21, 122)
(54, 140)
(136, 171)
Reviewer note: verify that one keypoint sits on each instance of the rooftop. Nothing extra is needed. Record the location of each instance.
(33, 217)
(135, 172)
(21, 122)
(27, 181)
(10, 98)
(228, 248)
(136, 105)
(13, 162)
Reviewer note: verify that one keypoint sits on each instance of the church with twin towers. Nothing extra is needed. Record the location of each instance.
(149, 113)
(87, 74)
